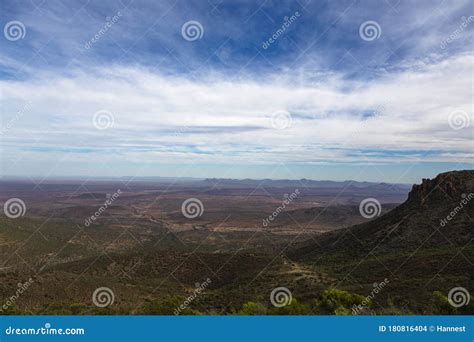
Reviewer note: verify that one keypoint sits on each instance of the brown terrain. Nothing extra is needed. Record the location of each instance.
(152, 256)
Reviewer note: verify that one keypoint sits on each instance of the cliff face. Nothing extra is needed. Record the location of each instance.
(448, 186)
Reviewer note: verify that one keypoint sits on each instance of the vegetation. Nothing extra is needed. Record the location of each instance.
(154, 269)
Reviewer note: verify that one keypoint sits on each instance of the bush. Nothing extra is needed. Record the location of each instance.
(168, 306)
(441, 304)
(77, 308)
(294, 308)
(338, 302)
(57, 309)
(253, 308)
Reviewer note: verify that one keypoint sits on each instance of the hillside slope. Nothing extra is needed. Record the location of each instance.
(425, 244)
(422, 219)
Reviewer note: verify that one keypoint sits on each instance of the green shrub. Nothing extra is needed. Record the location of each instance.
(57, 309)
(253, 308)
(77, 308)
(294, 308)
(168, 306)
(441, 304)
(338, 302)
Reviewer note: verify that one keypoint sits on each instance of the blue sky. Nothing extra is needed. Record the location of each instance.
(266, 89)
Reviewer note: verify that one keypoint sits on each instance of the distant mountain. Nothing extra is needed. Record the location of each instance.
(302, 183)
(5, 182)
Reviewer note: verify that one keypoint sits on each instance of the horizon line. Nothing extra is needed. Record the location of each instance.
(189, 179)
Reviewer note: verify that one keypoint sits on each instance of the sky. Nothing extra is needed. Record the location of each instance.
(364, 90)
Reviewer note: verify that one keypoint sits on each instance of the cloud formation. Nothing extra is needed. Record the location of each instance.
(216, 119)
(401, 98)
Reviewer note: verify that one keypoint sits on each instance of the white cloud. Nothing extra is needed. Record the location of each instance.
(220, 119)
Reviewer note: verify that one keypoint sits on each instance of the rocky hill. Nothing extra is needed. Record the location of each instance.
(422, 247)
(438, 211)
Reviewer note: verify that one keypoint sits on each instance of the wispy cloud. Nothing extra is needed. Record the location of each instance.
(173, 115)
(213, 100)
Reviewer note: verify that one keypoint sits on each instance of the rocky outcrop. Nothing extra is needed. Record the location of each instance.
(448, 186)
